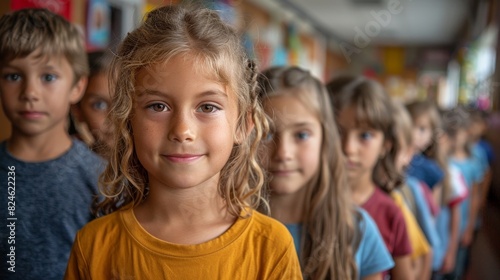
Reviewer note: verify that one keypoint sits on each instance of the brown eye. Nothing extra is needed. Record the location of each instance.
(158, 107)
(208, 108)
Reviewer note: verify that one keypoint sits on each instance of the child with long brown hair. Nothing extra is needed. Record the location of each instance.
(425, 164)
(182, 183)
(308, 184)
(422, 255)
(365, 120)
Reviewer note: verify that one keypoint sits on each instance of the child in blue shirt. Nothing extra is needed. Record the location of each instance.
(51, 178)
(309, 191)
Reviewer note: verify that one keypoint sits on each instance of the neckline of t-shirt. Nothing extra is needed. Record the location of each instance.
(37, 163)
(164, 248)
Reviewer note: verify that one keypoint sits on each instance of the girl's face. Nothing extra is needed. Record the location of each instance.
(422, 132)
(183, 124)
(94, 108)
(294, 151)
(362, 145)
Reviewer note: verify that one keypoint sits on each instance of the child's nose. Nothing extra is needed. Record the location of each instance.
(29, 91)
(181, 129)
(283, 149)
(349, 144)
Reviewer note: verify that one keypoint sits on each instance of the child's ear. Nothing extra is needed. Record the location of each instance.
(77, 90)
(240, 133)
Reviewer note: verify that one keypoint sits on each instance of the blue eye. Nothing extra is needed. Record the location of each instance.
(12, 77)
(366, 135)
(49, 78)
(268, 137)
(208, 108)
(158, 107)
(100, 105)
(303, 135)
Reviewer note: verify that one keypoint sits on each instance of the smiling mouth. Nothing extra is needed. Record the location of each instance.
(182, 158)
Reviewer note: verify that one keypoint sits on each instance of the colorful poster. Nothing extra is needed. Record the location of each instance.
(98, 24)
(61, 7)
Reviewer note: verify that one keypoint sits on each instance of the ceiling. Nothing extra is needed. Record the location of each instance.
(411, 22)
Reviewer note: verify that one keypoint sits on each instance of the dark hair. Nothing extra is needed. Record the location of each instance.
(99, 62)
(374, 109)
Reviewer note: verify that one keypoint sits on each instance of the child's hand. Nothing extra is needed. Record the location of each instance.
(448, 263)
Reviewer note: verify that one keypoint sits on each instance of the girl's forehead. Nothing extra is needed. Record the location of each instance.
(173, 66)
(423, 119)
(354, 117)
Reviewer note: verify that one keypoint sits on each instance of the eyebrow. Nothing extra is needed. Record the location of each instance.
(213, 92)
(301, 124)
(16, 68)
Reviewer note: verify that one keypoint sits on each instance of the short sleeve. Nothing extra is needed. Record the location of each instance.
(423, 214)
(435, 174)
(288, 267)
(400, 237)
(478, 170)
(417, 239)
(372, 255)
(458, 187)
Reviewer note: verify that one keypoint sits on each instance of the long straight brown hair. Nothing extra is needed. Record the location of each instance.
(374, 109)
(329, 232)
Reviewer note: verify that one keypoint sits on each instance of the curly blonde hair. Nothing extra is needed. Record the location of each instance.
(166, 32)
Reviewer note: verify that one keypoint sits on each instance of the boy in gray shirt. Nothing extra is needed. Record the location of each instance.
(47, 179)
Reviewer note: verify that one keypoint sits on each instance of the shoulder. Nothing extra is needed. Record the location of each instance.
(101, 229)
(86, 155)
(365, 221)
(269, 229)
(387, 205)
(384, 199)
(372, 255)
(84, 159)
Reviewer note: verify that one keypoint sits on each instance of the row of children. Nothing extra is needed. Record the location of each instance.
(204, 155)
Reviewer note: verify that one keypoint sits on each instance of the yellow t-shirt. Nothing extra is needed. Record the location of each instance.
(419, 243)
(117, 247)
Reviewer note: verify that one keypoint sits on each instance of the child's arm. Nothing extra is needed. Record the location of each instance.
(403, 268)
(474, 207)
(437, 193)
(425, 270)
(451, 251)
(376, 276)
